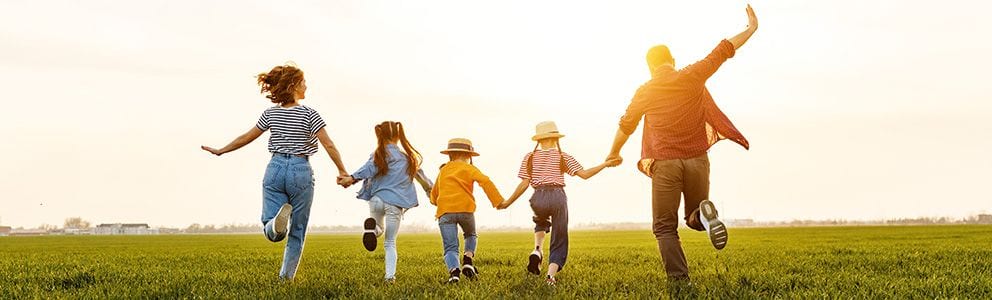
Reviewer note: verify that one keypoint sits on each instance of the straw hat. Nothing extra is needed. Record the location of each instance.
(546, 129)
(460, 145)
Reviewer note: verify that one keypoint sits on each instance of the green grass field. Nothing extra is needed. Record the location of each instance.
(812, 262)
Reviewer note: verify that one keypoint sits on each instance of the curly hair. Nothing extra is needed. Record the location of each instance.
(280, 83)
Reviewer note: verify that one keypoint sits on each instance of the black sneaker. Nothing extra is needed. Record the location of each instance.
(468, 268)
(454, 276)
(716, 230)
(368, 238)
(534, 266)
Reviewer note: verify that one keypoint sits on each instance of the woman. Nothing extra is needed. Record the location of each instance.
(287, 188)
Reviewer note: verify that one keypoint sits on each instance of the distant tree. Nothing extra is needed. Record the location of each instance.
(47, 227)
(193, 228)
(76, 223)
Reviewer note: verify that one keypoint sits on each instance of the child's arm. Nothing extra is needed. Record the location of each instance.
(424, 181)
(368, 170)
(435, 192)
(587, 173)
(487, 186)
(521, 188)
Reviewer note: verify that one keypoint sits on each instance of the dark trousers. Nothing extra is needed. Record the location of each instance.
(550, 207)
(671, 180)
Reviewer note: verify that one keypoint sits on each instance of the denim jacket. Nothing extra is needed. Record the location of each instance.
(396, 187)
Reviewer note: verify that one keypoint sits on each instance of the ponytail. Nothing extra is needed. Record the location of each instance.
(387, 132)
(413, 157)
(530, 161)
(383, 133)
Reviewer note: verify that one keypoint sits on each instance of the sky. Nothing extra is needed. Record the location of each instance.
(855, 110)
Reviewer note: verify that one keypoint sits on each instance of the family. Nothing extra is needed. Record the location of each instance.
(681, 123)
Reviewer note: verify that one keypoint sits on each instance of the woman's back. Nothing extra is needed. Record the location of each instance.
(293, 129)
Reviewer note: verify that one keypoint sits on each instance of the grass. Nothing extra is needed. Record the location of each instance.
(810, 262)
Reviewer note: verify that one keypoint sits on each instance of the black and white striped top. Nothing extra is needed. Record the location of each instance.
(293, 129)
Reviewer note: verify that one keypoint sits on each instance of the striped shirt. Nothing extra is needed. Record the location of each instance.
(294, 129)
(547, 167)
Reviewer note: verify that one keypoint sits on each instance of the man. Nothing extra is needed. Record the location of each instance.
(681, 122)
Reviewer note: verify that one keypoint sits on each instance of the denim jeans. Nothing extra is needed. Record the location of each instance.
(288, 179)
(387, 216)
(449, 224)
(550, 205)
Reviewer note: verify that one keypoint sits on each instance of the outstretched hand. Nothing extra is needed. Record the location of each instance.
(752, 19)
(211, 150)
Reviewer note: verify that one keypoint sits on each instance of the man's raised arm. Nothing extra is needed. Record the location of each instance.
(752, 25)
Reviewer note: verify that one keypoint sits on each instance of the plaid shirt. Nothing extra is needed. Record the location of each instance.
(680, 118)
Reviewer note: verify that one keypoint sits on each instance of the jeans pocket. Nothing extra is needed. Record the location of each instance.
(271, 174)
(303, 177)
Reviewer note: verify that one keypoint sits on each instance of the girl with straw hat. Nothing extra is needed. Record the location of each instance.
(452, 194)
(544, 169)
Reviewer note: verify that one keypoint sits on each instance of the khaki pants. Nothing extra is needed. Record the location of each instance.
(671, 179)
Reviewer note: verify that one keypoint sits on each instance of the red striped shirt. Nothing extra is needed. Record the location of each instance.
(547, 167)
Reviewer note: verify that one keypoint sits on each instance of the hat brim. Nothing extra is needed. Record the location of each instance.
(542, 136)
(450, 151)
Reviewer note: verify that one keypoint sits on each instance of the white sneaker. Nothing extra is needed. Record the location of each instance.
(281, 223)
(716, 230)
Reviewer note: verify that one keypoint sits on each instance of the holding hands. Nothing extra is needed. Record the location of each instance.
(345, 180)
(613, 160)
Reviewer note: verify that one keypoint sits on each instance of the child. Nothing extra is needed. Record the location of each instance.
(388, 188)
(455, 205)
(543, 169)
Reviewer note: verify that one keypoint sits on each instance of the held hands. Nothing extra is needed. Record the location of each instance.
(345, 181)
(613, 160)
(503, 205)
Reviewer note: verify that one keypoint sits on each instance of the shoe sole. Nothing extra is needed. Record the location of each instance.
(469, 271)
(534, 266)
(368, 238)
(717, 231)
(282, 220)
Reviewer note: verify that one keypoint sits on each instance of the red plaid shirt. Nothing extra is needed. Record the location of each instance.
(680, 118)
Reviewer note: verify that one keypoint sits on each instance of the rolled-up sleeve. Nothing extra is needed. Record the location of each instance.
(703, 69)
(635, 110)
(366, 171)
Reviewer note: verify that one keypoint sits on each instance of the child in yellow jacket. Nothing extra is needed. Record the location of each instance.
(452, 194)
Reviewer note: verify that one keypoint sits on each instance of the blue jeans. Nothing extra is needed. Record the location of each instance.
(449, 224)
(288, 179)
(387, 216)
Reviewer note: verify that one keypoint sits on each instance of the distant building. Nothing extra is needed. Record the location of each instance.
(741, 222)
(124, 228)
(985, 219)
(28, 232)
(77, 231)
(4, 230)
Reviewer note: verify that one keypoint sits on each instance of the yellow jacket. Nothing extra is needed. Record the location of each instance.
(452, 192)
